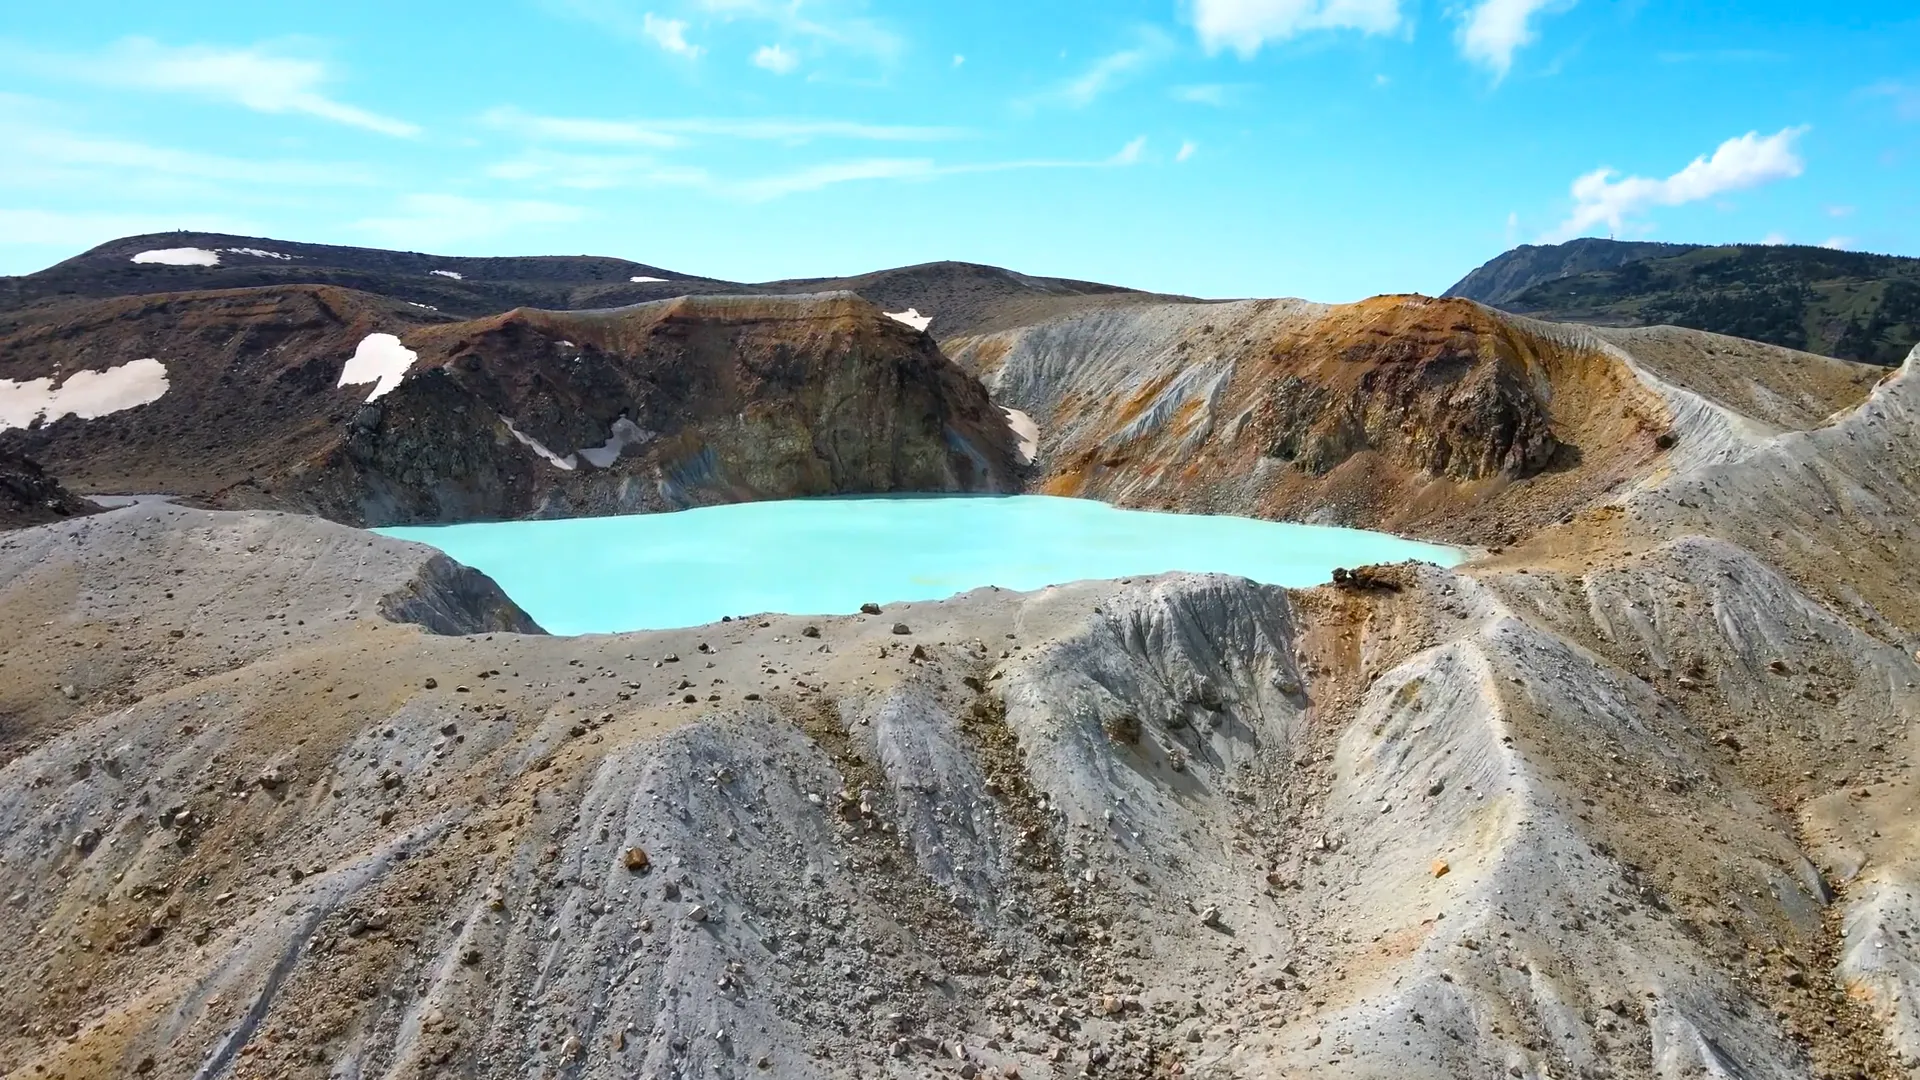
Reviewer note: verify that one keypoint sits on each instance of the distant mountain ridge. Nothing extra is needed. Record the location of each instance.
(960, 297)
(1845, 304)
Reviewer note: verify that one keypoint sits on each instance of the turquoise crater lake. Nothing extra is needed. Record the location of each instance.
(829, 556)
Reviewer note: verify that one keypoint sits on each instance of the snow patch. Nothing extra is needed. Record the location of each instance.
(379, 359)
(417, 304)
(911, 317)
(644, 280)
(567, 464)
(1026, 431)
(625, 433)
(257, 253)
(179, 257)
(454, 274)
(85, 394)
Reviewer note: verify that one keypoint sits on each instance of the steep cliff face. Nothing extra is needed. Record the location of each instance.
(663, 406)
(1439, 417)
(377, 412)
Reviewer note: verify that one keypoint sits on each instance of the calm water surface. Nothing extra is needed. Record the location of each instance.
(828, 556)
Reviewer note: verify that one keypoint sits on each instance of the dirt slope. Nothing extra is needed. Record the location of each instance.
(657, 406)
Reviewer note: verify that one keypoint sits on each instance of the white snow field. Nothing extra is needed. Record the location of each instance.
(911, 317)
(379, 359)
(179, 257)
(454, 274)
(85, 394)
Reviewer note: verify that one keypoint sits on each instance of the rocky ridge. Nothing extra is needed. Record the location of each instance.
(655, 406)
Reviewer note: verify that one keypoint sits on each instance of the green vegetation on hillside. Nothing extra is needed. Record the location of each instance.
(1840, 303)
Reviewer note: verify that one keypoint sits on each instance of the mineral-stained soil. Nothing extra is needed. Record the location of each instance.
(657, 406)
(1630, 797)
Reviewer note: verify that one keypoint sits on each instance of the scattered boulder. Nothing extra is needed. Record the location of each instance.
(637, 860)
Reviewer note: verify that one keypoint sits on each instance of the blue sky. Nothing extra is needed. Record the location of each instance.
(1321, 148)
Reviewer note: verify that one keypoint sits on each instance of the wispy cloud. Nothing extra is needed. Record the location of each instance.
(1107, 73)
(1775, 239)
(670, 35)
(435, 220)
(1131, 153)
(1245, 25)
(1840, 211)
(1724, 56)
(1603, 197)
(826, 23)
(256, 78)
(571, 171)
(46, 156)
(1187, 150)
(84, 230)
(1214, 94)
(777, 59)
(1904, 95)
(596, 172)
(1493, 30)
(815, 177)
(666, 133)
(1839, 243)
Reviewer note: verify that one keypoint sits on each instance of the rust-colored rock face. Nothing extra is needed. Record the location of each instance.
(1451, 395)
(1400, 412)
(659, 406)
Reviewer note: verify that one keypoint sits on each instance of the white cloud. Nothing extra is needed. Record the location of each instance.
(1245, 25)
(1513, 227)
(1775, 239)
(669, 133)
(254, 78)
(958, 59)
(777, 59)
(425, 221)
(1838, 243)
(1840, 211)
(1493, 30)
(1603, 197)
(669, 34)
(1187, 150)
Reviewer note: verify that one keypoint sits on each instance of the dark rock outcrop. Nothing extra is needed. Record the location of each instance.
(28, 496)
(660, 407)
